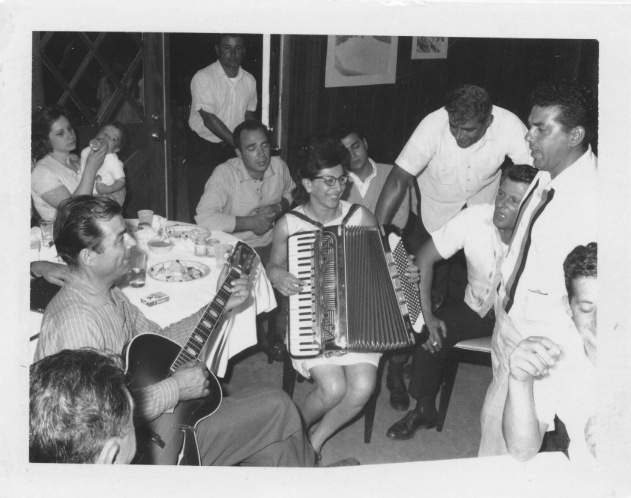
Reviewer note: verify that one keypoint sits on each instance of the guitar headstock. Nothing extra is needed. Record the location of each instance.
(242, 257)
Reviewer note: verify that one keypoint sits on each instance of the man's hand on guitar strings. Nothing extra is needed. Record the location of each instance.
(192, 380)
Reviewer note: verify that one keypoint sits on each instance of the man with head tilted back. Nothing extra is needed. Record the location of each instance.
(558, 213)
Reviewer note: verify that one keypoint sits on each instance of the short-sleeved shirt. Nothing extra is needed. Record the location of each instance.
(367, 192)
(111, 170)
(227, 98)
(231, 191)
(48, 175)
(472, 229)
(450, 177)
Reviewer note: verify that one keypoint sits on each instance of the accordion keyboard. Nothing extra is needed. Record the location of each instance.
(302, 335)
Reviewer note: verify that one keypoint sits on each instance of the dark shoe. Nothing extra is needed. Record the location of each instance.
(407, 371)
(278, 352)
(408, 425)
(399, 399)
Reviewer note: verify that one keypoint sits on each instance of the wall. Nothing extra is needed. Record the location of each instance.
(389, 113)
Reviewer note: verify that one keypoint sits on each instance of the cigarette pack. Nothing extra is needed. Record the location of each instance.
(155, 298)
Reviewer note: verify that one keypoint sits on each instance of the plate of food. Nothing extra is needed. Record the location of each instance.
(184, 231)
(178, 270)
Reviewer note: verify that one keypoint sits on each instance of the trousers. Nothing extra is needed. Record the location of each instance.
(505, 339)
(428, 368)
(255, 427)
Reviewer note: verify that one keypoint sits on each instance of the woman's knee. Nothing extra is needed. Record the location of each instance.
(361, 388)
(332, 389)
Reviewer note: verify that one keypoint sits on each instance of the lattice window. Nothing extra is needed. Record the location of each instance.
(97, 77)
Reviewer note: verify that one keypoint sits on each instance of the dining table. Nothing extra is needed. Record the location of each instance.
(185, 297)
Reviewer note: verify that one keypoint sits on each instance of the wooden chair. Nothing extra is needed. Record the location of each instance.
(478, 350)
(290, 377)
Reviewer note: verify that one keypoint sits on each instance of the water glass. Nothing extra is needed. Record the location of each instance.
(145, 217)
(137, 268)
(47, 232)
(222, 251)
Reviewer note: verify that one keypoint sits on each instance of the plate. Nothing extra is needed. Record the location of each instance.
(178, 271)
(184, 231)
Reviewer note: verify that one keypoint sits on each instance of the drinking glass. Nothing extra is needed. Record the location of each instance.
(145, 217)
(47, 232)
(137, 268)
(222, 251)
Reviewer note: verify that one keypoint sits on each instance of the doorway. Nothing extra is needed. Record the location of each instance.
(100, 77)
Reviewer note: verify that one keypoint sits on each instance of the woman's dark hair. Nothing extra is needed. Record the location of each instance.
(40, 128)
(318, 152)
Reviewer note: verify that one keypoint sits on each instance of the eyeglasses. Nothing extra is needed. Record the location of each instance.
(330, 180)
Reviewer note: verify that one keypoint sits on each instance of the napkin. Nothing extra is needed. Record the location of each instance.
(158, 222)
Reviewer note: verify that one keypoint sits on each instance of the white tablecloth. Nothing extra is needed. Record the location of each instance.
(185, 298)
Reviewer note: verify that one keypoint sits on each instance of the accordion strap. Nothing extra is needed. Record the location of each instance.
(304, 217)
(350, 213)
(319, 225)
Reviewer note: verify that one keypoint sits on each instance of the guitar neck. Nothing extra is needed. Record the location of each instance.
(208, 323)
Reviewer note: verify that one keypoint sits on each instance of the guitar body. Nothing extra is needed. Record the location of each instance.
(160, 442)
(151, 358)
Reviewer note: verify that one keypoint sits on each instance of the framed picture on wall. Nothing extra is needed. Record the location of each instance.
(360, 60)
(429, 47)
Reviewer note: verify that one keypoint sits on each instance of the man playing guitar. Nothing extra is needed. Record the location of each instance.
(256, 427)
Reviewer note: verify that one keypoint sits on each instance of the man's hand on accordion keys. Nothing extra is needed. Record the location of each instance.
(286, 283)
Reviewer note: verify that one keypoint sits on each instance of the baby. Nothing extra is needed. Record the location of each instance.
(110, 180)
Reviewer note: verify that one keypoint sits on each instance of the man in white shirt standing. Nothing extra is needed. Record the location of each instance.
(560, 211)
(456, 154)
(223, 95)
(483, 231)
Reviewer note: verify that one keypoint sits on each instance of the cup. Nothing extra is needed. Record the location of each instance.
(137, 268)
(145, 217)
(47, 232)
(210, 246)
(222, 251)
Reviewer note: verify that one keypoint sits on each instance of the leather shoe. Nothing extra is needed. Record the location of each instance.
(399, 399)
(408, 425)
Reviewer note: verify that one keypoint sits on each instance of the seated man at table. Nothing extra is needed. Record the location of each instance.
(546, 379)
(247, 194)
(80, 410)
(259, 427)
(367, 177)
(483, 231)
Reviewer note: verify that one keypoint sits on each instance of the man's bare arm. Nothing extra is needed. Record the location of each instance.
(216, 125)
(392, 194)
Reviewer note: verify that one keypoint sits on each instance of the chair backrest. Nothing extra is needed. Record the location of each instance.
(480, 344)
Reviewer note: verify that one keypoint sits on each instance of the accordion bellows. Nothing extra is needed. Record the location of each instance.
(358, 299)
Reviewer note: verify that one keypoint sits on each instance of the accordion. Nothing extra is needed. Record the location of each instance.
(358, 298)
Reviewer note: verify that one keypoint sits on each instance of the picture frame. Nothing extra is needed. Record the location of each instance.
(355, 60)
(429, 47)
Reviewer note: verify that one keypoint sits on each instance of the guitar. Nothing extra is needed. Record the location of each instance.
(150, 358)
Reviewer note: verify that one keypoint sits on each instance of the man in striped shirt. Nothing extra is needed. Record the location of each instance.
(558, 213)
(258, 427)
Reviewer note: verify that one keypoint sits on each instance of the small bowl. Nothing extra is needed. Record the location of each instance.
(159, 245)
